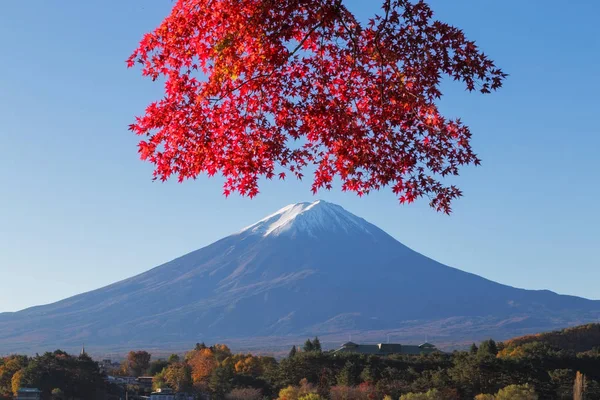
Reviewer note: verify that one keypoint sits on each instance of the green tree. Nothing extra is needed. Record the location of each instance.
(293, 352)
(174, 358)
(78, 377)
(317, 345)
(157, 366)
(348, 375)
(488, 348)
(200, 346)
(159, 380)
(220, 381)
(562, 381)
(308, 346)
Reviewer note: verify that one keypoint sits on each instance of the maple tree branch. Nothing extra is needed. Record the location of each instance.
(350, 33)
(216, 100)
(310, 32)
(376, 40)
(291, 54)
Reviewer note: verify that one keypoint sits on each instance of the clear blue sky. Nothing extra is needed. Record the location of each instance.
(78, 210)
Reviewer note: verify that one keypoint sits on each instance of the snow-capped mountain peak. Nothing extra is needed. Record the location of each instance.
(308, 218)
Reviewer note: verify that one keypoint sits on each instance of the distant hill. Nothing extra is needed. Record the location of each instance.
(578, 339)
(308, 269)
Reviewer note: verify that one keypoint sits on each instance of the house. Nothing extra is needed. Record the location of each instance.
(29, 394)
(386, 349)
(169, 394)
(145, 383)
(108, 366)
(162, 394)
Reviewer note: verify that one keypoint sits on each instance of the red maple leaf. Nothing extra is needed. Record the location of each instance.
(257, 87)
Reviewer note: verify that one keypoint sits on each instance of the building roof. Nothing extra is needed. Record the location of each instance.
(384, 349)
(29, 390)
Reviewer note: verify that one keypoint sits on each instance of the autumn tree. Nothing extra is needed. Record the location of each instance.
(432, 394)
(16, 380)
(9, 366)
(138, 362)
(248, 365)
(57, 394)
(179, 377)
(579, 386)
(202, 363)
(288, 393)
(263, 88)
(311, 396)
(516, 392)
(220, 351)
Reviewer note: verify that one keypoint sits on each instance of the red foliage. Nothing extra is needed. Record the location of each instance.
(258, 88)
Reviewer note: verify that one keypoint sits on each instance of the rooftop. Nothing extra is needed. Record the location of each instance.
(386, 348)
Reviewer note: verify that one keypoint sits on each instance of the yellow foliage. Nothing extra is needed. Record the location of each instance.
(511, 352)
(310, 396)
(289, 393)
(16, 381)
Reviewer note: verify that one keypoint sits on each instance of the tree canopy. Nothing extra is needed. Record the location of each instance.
(539, 371)
(263, 88)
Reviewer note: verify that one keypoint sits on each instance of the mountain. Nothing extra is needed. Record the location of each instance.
(310, 268)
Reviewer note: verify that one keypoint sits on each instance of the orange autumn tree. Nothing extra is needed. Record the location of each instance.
(269, 88)
(203, 360)
(202, 363)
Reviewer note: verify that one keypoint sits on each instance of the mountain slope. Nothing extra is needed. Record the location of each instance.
(310, 268)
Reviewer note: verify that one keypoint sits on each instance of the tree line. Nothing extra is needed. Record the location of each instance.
(488, 371)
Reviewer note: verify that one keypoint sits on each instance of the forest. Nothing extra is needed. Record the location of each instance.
(546, 366)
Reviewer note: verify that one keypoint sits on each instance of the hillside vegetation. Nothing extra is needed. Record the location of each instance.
(578, 339)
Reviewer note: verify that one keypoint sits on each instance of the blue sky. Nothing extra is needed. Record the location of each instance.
(78, 210)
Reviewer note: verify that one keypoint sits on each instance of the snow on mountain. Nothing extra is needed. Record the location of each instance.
(309, 218)
(310, 268)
